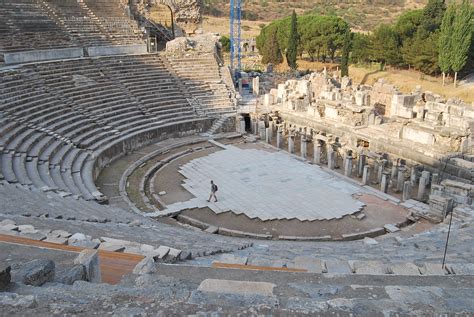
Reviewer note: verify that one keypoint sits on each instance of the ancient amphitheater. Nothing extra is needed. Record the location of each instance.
(333, 198)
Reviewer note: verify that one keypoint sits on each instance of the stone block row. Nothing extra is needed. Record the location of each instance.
(159, 254)
(59, 117)
(307, 264)
(57, 24)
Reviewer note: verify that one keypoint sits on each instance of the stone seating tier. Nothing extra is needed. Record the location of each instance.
(204, 82)
(57, 115)
(49, 24)
(28, 26)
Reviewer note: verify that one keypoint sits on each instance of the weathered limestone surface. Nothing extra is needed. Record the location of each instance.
(187, 13)
(250, 173)
(237, 287)
(206, 43)
(384, 130)
(90, 259)
(37, 272)
(76, 273)
(145, 266)
(5, 276)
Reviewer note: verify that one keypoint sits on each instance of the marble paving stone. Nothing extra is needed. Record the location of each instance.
(266, 185)
(236, 287)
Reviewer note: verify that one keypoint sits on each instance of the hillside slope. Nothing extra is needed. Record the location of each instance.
(363, 15)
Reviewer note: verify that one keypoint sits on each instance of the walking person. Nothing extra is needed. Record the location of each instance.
(213, 192)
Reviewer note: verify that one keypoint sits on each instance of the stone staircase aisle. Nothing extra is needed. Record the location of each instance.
(218, 124)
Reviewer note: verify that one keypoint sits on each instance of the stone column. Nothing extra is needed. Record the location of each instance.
(291, 143)
(366, 175)
(375, 172)
(361, 164)
(262, 131)
(393, 176)
(400, 178)
(256, 86)
(384, 182)
(304, 147)
(413, 175)
(381, 166)
(329, 151)
(268, 135)
(379, 170)
(272, 127)
(406, 191)
(255, 126)
(317, 153)
(331, 159)
(424, 182)
(279, 138)
(240, 86)
(348, 166)
(242, 125)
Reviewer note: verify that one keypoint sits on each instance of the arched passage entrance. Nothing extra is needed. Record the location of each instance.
(161, 26)
(162, 14)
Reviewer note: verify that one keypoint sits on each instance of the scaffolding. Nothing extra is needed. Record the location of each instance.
(235, 37)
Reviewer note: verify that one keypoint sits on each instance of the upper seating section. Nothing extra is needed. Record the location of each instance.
(45, 24)
(101, 23)
(204, 80)
(57, 117)
(25, 25)
(106, 8)
(113, 16)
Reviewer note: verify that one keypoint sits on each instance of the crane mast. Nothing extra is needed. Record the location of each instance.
(235, 36)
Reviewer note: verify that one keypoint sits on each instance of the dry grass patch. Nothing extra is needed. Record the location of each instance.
(250, 29)
(407, 80)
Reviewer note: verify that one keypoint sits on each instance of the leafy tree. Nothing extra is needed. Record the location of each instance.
(444, 43)
(432, 15)
(225, 42)
(271, 50)
(319, 35)
(422, 52)
(292, 50)
(461, 37)
(360, 48)
(385, 46)
(345, 54)
(407, 24)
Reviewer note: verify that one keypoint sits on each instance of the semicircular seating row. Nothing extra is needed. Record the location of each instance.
(56, 118)
(52, 24)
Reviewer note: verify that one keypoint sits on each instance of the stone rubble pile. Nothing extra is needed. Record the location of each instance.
(420, 144)
(160, 253)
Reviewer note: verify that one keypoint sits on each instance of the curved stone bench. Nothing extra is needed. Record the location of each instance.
(7, 168)
(34, 174)
(117, 149)
(18, 139)
(19, 168)
(14, 132)
(45, 174)
(42, 115)
(38, 148)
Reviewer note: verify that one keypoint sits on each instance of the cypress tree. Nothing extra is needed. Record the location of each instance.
(461, 38)
(444, 43)
(346, 48)
(271, 49)
(292, 50)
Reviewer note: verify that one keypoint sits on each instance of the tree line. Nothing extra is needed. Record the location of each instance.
(436, 39)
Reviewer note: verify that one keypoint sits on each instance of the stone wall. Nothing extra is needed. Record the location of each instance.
(205, 43)
(186, 13)
(419, 129)
(127, 145)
